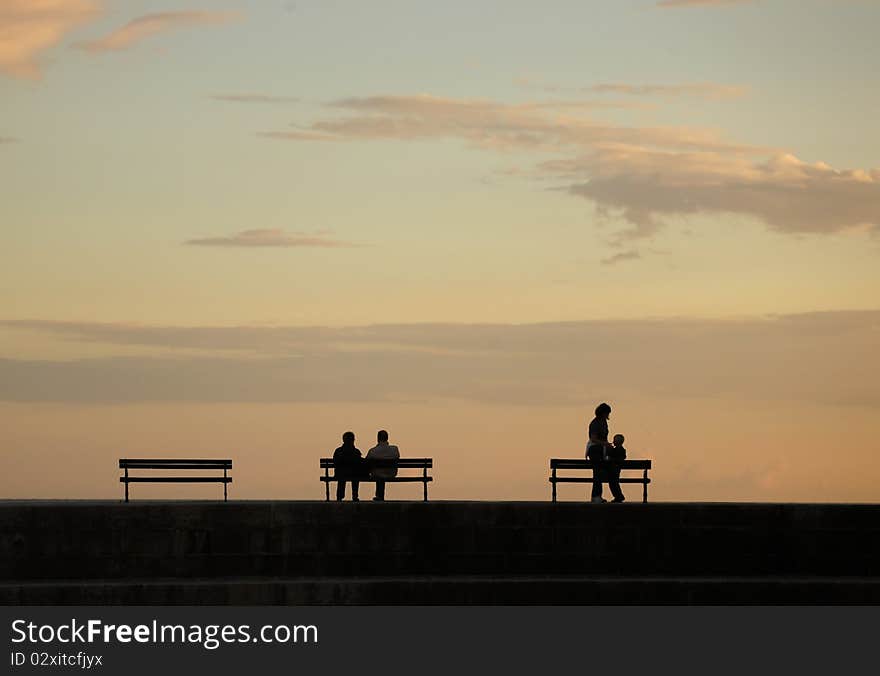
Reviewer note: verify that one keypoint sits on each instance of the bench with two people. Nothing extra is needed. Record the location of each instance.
(380, 466)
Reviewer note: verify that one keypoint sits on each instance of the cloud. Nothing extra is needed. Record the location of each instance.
(822, 358)
(700, 3)
(706, 90)
(254, 98)
(491, 125)
(30, 27)
(783, 191)
(621, 257)
(583, 105)
(270, 237)
(8, 139)
(644, 175)
(148, 25)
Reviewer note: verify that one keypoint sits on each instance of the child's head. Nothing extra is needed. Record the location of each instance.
(618, 440)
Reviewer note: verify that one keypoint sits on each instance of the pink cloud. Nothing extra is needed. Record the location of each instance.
(149, 25)
(643, 174)
(491, 125)
(28, 28)
(783, 191)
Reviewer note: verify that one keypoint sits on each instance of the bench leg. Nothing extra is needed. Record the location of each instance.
(645, 489)
(126, 484)
(553, 484)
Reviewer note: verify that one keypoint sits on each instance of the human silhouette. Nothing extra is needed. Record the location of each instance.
(615, 456)
(382, 451)
(347, 466)
(597, 447)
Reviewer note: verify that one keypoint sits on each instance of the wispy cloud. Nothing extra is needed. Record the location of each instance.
(28, 28)
(621, 257)
(271, 237)
(254, 98)
(642, 174)
(700, 3)
(149, 25)
(712, 91)
(7, 139)
(491, 125)
(706, 90)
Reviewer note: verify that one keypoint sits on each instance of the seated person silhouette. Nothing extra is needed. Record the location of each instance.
(615, 454)
(382, 451)
(347, 466)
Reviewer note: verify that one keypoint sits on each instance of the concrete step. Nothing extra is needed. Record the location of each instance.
(449, 590)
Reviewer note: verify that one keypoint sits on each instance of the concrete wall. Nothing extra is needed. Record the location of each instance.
(147, 540)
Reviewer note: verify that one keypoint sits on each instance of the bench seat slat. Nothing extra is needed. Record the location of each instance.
(160, 465)
(587, 480)
(403, 462)
(397, 479)
(152, 463)
(176, 479)
(567, 463)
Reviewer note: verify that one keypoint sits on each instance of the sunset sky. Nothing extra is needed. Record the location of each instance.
(238, 229)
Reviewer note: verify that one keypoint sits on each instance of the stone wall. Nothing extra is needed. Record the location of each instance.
(147, 540)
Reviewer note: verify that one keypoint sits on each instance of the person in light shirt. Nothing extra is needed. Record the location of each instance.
(382, 451)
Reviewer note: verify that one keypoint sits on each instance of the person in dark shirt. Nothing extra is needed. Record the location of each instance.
(615, 455)
(597, 447)
(347, 466)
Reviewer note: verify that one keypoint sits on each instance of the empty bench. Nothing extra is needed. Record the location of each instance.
(575, 464)
(423, 464)
(175, 465)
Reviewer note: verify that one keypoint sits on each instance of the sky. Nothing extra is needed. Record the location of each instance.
(239, 229)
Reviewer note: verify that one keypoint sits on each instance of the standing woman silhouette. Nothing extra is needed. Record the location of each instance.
(596, 448)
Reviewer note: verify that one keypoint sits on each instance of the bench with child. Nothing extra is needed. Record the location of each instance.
(604, 459)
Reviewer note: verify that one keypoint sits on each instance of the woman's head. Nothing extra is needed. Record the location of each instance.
(603, 410)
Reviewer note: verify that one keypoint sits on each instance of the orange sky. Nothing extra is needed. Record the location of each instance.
(769, 409)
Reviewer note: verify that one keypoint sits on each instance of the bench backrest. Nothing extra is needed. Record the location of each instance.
(569, 463)
(174, 463)
(419, 463)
